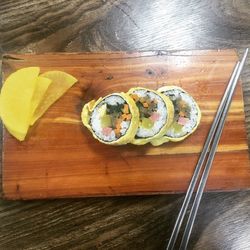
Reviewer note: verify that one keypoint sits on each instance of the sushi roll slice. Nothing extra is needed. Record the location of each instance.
(112, 119)
(156, 114)
(187, 115)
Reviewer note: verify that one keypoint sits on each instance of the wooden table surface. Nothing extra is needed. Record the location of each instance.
(144, 222)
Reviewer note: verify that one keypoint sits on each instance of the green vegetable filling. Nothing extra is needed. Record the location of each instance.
(145, 105)
(113, 115)
(181, 108)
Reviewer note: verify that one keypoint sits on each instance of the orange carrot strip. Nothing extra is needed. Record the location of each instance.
(124, 116)
(118, 126)
(129, 117)
(182, 113)
(117, 131)
(135, 97)
(119, 120)
(125, 109)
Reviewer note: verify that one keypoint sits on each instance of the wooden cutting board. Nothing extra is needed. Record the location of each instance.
(60, 158)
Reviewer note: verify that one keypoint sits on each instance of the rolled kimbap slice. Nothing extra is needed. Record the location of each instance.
(156, 114)
(187, 115)
(112, 119)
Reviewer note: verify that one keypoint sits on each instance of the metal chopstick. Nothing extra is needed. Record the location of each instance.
(211, 155)
(199, 165)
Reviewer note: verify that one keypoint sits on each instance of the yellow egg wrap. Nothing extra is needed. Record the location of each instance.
(170, 117)
(165, 138)
(130, 133)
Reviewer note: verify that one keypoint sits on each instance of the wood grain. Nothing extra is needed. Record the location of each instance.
(129, 222)
(79, 165)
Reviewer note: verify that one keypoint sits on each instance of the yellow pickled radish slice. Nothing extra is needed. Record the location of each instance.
(41, 88)
(16, 96)
(61, 82)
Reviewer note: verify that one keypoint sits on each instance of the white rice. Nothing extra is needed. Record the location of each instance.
(95, 120)
(161, 109)
(190, 125)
